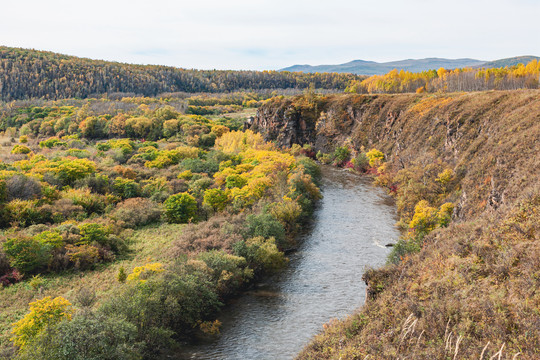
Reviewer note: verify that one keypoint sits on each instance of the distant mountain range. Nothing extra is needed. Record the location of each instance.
(415, 65)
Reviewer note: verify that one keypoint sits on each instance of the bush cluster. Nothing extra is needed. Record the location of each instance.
(69, 204)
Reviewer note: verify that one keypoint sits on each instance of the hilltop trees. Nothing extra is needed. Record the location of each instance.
(30, 74)
(446, 80)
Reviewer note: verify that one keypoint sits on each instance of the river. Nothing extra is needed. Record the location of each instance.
(352, 224)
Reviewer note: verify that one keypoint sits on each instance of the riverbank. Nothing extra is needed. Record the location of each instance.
(470, 289)
(276, 319)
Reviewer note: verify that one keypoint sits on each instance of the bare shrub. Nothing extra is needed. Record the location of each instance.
(178, 186)
(22, 187)
(63, 209)
(86, 297)
(4, 261)
(137, 212)
(218, 233)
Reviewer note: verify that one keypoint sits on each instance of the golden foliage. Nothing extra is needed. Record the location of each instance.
(43, 313)
(141, 272)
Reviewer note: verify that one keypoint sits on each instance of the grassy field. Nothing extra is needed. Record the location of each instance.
(148, 243)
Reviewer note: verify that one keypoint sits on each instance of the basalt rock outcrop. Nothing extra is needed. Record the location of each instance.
(490, 138)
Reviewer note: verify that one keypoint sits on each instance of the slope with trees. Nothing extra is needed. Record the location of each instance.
(26, 74)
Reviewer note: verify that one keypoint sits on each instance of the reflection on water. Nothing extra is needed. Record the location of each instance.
(323, 280)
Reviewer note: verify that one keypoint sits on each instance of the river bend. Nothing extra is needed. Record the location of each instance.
(352, 224)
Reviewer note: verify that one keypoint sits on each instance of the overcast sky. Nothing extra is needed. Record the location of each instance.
(272, 34)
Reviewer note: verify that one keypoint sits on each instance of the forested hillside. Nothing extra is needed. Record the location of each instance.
(26, 74)
(462, 282)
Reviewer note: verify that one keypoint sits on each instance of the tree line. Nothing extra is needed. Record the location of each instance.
(26, 74)
(516, 77)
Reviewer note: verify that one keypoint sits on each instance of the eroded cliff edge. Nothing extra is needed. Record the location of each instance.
(473, 288)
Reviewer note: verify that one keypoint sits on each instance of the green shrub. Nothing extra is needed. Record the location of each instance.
(167, 158)
(157, 189)
(25, 212)
(91, 203)
(197, 187)
(180, 208)
(186, 175)
(200, 166)
(305, 193)
(121, 276)
(361, 162)
(169, 304)
(126, 146)
(50, 238)
(341, 154)
(20, 149)
(445, 214)
(103, 146)
(36, 282)
(261, 254)
(27, 255)
(207, 140)
(216, 199)
(267, 226)
(311, 168)
(88, 336)
(229, 272)
(164, 159)
(78, 153)
(126, 188)
(235, 181)
(287, 212)
(51, 142)
(324, 158)
(71, 170)
(405, 246)
(93, 233)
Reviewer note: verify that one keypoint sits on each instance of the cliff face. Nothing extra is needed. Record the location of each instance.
(471, 292)
(286, 122)
(491, 138)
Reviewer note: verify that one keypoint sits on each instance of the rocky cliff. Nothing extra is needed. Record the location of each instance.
(471, 292)
(491, 137)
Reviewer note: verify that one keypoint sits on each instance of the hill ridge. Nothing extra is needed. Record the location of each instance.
(366, 67)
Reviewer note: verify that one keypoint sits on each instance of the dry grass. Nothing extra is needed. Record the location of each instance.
(472, 291)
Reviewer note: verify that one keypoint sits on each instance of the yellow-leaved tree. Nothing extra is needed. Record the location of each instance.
(43, 313)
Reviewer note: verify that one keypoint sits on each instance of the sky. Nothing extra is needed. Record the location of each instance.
(272, 34)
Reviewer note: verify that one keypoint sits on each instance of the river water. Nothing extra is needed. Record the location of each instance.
(353, 223)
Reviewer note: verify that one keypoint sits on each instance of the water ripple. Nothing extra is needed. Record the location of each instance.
(323, 281)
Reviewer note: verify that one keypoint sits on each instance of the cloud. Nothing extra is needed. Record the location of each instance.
(271, 34)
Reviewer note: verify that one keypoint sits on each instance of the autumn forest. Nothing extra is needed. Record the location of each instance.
(137, 202)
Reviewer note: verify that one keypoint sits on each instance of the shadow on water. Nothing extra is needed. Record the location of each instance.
(351, 227)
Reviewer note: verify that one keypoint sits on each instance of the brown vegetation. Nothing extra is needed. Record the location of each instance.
(471, 292)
